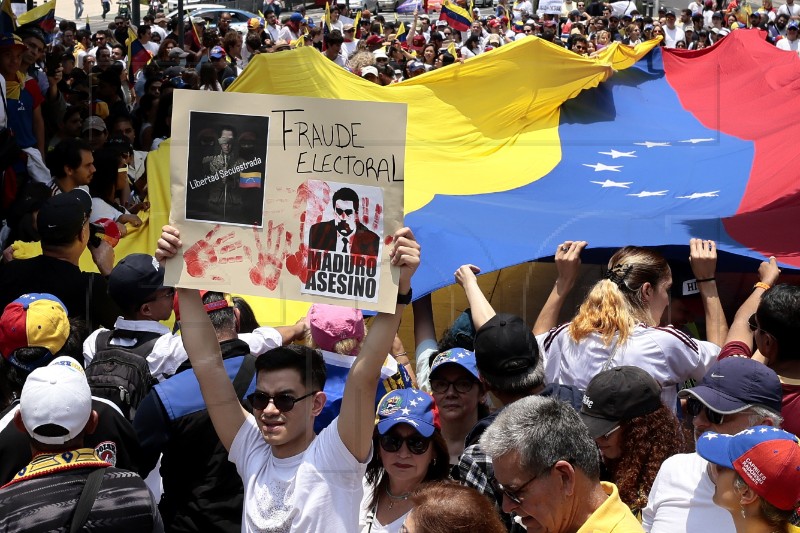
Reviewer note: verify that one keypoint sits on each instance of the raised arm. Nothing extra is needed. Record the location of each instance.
(768, 273)
(202, 346)
(357, 415)
(568, 264)
(703, 258)
(480, 307)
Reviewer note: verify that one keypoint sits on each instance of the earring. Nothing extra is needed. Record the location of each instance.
(433, 463)
(744, 514)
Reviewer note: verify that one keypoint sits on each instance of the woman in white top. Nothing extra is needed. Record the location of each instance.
(408, 449)
(110, 176)
(617, 324)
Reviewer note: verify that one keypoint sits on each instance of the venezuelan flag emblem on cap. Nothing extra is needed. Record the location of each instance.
(33, 320)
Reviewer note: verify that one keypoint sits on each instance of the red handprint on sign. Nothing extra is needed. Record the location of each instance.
(376, 215)
(311, 200)
(267, 269)
(204, 257)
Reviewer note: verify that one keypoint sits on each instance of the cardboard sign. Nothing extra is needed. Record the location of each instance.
(287, 197)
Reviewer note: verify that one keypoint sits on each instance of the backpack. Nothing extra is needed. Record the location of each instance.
(121, 374)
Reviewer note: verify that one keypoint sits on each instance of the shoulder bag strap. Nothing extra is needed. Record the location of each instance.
(245, 375)
(87, 499)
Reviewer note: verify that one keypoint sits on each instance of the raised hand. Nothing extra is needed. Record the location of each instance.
(703, 258)
(568, 262)
(267, 268)
(205, 256)
(466, 274)
(768, 272)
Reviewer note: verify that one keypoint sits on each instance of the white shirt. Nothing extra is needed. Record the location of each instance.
(789, 10)
(102, 209)
(367, 515)
(168, 351)
(680, 500)
(151, 47)
(789, 46)
(667, 354)
(524, 6)
(317, 490)
(274, 32)
(672, 36)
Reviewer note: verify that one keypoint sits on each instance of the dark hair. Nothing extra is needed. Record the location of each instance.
(144, 28)
(447, 507)
(253, 41)
(647, 441)
(71, 110)
(346, 194)
(223, 320)
(208, 74)
(439, 467)
(163, 54)
(161, 127)
(66, 153)
(779, 315)
(306, 361)
(334, 37)
(447, 58)
(247, 318)
(106, 164)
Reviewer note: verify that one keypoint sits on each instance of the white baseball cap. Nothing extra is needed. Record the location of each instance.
(369, 69)
(56, 400)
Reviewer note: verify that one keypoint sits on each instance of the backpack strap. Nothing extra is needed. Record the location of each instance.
(87, 499)
(245, 375)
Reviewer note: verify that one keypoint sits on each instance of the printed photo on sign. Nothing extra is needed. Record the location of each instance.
(344, 234)
(226, 168)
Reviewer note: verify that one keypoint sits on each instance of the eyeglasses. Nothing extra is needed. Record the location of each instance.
(513, 495)
(416, 444)
(694, 407)
(460, 385)
(754, 325)
(609, 433)
(170, 292)
(343, 212)
(282, 402)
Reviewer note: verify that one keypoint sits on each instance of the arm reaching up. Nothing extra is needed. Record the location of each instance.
(703, 258)
(357, 418)
(202, 346)
(568, 264)
(480, 307)
(768, 273)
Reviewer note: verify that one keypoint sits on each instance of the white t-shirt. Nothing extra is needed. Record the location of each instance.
(667, 354)
(672, 36)
(376, 527)
(680, 500)
(102, 209)
(789, 46)
(318, 490)
(789, 10)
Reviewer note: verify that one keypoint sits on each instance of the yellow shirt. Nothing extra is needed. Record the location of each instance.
(612, 516)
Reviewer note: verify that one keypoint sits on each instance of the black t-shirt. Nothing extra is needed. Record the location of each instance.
(65, 281)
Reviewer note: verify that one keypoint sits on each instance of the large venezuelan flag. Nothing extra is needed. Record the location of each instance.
(43, 16)
(518, 149)
(459, 18)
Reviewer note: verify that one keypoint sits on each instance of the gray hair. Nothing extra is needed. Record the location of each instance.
(517, 384)
(758, 413)
(542, 431)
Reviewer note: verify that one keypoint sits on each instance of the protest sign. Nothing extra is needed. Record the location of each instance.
(287, 197)
(550, 7)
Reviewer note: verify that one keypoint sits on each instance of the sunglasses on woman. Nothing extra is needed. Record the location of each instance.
(695, 407)
(417, 444)
(282, 402)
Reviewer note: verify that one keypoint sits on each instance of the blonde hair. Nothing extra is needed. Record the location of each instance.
(615, 304)
(343, 347)
(360, 60)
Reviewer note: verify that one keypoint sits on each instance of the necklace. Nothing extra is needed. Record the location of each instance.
(393, 498)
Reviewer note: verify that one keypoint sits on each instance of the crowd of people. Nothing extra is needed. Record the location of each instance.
(614, 421)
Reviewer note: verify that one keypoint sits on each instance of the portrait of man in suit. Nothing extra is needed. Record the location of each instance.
(344, 234)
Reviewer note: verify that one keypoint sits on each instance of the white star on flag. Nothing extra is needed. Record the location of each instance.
(650, 144)
(461, 355)
(609, 183)
(615, 154)
(710, 436)
(645, 194)
(600, 167)
(749, 431)
(696, 195)
(695, 141)
(763, 430)
(415, 391)
(413, 403)
(775, 429)
(405, 411)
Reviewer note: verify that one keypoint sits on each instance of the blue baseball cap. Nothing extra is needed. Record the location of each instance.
(735, 384)
(408, 406)
(767, 458)
(457, 356)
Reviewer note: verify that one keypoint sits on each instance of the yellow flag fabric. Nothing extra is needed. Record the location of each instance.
(494, 115)
(36, 13)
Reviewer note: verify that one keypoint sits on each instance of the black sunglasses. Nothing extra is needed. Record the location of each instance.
(282, 402)
(513, 495)
(694, 407)
(417, 444)
(342, 212)
(462, 386)
(754, 325)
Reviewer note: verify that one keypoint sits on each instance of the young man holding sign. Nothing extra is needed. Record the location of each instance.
(295, 480)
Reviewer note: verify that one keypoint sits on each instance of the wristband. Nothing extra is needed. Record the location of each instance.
(404, 299)
(762, 285)
(704, 280)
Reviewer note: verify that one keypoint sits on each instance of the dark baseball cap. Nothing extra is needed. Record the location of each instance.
(61, 217)
(735, 384)
(505, 346)
(618, 394)
(134, 280)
